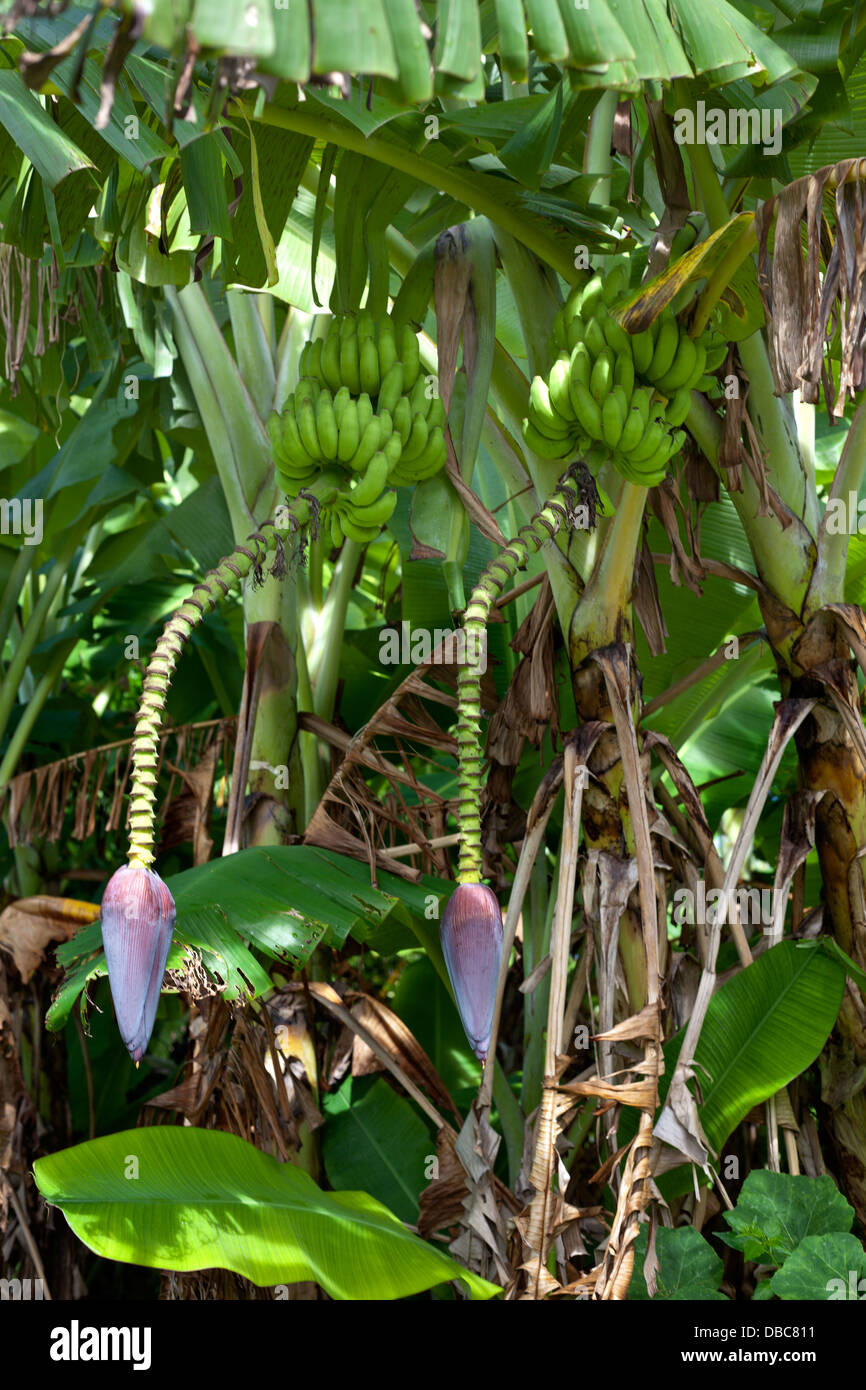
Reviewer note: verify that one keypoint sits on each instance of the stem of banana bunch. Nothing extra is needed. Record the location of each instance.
(530, 538)
(501, 569)
(326, 650)
(227, 576)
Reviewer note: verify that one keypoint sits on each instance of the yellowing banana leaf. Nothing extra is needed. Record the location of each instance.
(721, 251)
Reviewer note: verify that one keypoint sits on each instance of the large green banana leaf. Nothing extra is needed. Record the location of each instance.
(182, 1198)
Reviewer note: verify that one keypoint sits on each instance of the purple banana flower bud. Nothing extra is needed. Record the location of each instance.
(138, 915)
(471, 936)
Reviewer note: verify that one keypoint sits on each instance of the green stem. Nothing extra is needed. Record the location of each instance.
(216, 584)
(829, 584)
(324, 663)
(31, 712)
(785, 567)
(597, 158)
(20, 571)
(501, 569)
(603, 614)
(33, 630)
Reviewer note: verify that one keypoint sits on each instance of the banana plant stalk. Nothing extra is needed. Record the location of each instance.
(471, 927)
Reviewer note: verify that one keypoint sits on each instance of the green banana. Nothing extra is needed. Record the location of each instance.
(350, 371)
(615, 284)
(348, 327)
(291, 484)
(641, 400)
(341, 399)
(362, 535)
(681, 369)
(543, 445)
(716, 354)
(337, 536)
(377, 513)
(366, 325)
(369, 442)
(679, 406)
(612, 418)
(642, 350)
(580, 366)
(331, 361)
(623, 373)
(387, 347)
(326, 426)
(391, 388)
(370, 485)
(541, 412)
(402, 417)
(305, 416)
(587, 411)
(410, 356)
(393, 449)
(601, 380)
(314, 362)
(432, 456)
(418, 398)
(591, 296)
(632, 432)
(616, 337)
(700, 364)
(436, 414)
(574, 334)
(653, 436)
(350, 432)
(678, 439)
(365, 411)
(293, 457)
(594, 337)
(417, 440)
(308, 386)
(368, 365)
(557, 388)
(665, 348)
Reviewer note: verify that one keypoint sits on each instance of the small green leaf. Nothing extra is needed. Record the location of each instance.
(776, 1211)
(374, 1139)
(826, 1268)
(688, 1267)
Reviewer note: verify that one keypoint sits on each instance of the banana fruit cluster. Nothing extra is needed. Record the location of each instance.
(616, 395)
(361, 423)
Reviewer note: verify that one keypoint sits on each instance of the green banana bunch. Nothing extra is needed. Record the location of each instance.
(359, 352)
(360, 398)
(616, 395)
